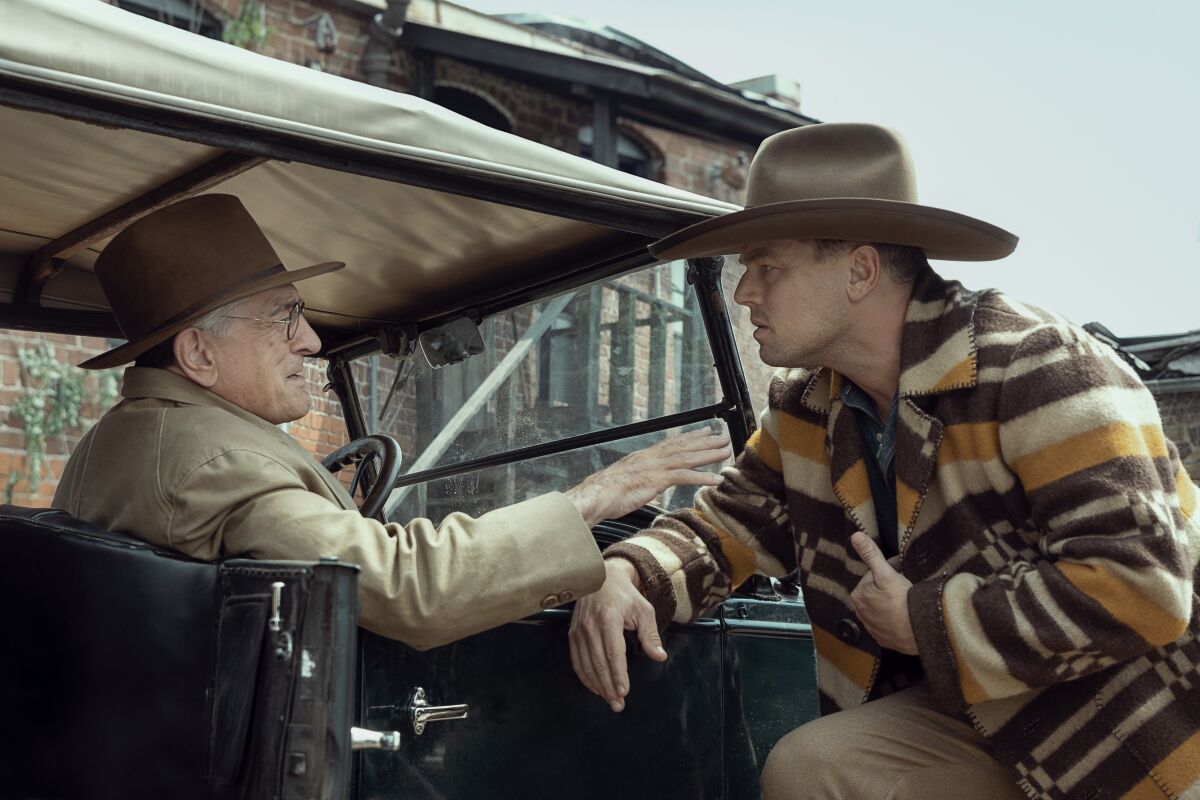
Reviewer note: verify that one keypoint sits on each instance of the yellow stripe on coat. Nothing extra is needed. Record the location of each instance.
(802, 438)
(1177, 772)
(854, 487)
(961, 374)
(858, 666)
(766, 448)
(1186, 491)
(1124, 602)
(742, 561)
(1089, 449)
(978, 441)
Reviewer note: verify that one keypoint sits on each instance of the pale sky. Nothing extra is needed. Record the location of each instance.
(1073, 123)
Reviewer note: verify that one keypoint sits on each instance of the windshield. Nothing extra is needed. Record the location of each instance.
(625, 350)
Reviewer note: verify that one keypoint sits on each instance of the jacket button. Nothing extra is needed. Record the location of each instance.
(550, 601)
(566, 597)
(848, 630)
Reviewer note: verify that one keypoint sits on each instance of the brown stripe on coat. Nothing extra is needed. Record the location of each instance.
(1169, 729)
(656, 585)
(787, 388)
(741, 498)
(1031, 727)
(1021, 661)
(1045, 623)
(1049, 383)
(933, 642)
(1109, 635)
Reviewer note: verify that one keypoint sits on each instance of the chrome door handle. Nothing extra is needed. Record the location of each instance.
(420, 712)
(363, 739)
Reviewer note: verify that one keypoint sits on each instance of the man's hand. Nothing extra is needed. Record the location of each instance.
(598, 632)
(639, 477)
(881, 599)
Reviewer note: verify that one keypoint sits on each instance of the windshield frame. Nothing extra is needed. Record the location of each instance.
(734, 407)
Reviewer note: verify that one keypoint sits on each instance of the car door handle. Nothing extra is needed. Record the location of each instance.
(363, 739)
(420, 712)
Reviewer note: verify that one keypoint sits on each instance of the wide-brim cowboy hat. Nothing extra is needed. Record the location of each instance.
(845, 181)
(173, 266)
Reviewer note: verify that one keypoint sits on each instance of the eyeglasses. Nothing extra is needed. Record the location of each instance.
(292, 320)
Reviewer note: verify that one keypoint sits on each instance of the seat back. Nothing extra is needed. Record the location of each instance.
(130, 671)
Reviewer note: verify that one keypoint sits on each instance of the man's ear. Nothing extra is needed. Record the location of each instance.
(194, 357)
(864, 271)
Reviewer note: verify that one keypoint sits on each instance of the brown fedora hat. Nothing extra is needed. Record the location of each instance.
(175, 265)
(836, 180)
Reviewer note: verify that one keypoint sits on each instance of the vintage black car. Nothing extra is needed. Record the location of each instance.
(499, 318)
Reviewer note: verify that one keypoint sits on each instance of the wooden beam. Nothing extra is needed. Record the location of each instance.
(59, 320)
(49, 259)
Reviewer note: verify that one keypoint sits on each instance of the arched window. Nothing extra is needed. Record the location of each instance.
(472, 106)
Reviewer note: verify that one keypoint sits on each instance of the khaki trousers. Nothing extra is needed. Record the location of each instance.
(898, 748)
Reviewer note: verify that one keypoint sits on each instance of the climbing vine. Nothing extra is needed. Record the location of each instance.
(51, 403)
(248, 29)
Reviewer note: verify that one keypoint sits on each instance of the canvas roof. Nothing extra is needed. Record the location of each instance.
(99, 107)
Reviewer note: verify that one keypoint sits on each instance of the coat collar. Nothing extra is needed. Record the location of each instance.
(163, 384)
(937, 350)
(937, 354)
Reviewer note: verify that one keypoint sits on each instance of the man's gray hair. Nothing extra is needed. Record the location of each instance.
(218, 322)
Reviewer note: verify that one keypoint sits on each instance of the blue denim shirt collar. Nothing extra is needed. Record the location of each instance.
(880, 436)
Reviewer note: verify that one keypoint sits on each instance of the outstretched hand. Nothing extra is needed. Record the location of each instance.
(881, 599)
(639, 477)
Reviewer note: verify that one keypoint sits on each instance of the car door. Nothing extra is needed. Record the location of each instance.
(554, 392)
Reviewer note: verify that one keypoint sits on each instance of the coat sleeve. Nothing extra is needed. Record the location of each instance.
(1108, 574)
(421, 583)
(690, 560)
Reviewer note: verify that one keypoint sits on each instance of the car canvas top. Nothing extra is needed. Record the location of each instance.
(433, 213)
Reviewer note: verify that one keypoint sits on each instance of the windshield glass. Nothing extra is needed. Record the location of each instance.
(624, 350)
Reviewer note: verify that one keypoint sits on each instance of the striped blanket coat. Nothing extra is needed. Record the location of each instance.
(1045, 522)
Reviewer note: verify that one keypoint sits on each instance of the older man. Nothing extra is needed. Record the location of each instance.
(191, 458)
(996, 544)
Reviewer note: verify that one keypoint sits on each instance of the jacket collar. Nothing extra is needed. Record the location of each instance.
(163, 384)
(937, 350)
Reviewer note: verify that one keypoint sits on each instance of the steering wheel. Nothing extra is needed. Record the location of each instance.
(377, 446)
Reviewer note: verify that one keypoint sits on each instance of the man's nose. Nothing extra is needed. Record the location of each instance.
(747, 291)
(306, 341)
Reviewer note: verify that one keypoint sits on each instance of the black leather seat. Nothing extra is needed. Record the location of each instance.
(128, 671)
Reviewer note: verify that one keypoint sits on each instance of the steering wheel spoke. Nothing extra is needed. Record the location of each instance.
(386, 451)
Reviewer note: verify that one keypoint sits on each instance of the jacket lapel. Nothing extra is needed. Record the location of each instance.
(843, 440)
(937, 355)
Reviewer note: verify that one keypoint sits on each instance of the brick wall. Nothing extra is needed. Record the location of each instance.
(535, 114)
(1181, 423)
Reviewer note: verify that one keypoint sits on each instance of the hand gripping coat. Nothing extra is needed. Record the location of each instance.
(1046, 523)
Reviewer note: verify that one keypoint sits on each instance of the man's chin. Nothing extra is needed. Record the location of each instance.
(776, 359)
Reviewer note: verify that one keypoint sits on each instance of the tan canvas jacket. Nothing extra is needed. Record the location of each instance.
(177, 466)
(1047, 525)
